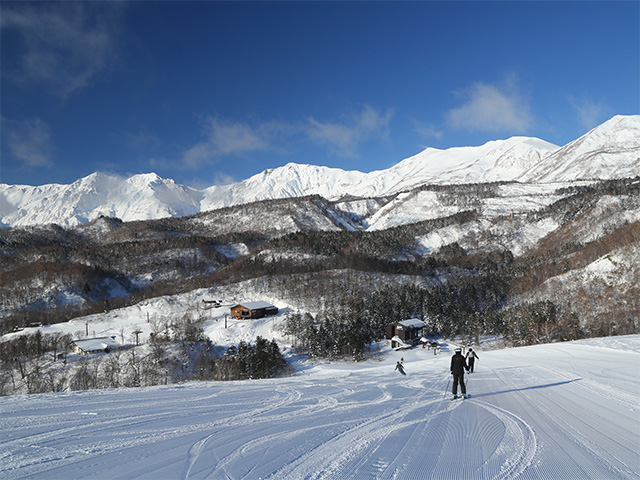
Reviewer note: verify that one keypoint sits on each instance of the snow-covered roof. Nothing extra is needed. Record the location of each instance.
(95, 344)
(255, 305)
(400, 341)
(412, 323)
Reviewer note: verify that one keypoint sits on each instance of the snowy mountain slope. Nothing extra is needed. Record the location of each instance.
(608, 151)
(271, 218)
(500, 160)
(291, 180)
(274, 218)
(582, 290)
(543, 412)
(518, 217)
(611, 150)
(490, 201)
(140, 197)
(548, 232)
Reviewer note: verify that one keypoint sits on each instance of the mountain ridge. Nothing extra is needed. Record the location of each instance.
(613, 146)
(611, 150)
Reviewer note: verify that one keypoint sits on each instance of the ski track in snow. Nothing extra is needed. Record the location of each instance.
(545, 412)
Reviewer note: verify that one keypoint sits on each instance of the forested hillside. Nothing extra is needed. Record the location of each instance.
(471, 271)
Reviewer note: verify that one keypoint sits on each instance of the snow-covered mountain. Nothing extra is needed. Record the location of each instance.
(611, 150)
(500, 160)
(140, 197)
(291, 180)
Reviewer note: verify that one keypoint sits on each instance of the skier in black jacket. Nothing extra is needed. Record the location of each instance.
(458, 366)
(471, 356)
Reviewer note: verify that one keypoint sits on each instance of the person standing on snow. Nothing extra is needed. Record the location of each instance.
(458, 366)
(400, 368)
(471, 357)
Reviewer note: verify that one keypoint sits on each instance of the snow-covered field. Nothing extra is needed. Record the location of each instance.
(559, 411)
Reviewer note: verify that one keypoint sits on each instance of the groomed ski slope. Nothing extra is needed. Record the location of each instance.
(559, 411)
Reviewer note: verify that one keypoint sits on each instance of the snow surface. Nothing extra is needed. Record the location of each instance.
(566, 410)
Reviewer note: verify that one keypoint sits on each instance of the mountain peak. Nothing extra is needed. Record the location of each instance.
(496, 160)
(611, 150)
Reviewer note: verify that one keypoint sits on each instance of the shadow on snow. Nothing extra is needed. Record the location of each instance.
(534, 387)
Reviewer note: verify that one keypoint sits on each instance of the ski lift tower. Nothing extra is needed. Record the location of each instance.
(137, 332)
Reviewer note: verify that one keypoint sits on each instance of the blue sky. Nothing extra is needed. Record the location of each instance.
(213, 92)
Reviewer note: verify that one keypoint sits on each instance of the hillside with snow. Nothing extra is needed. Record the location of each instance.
(610, 151)
(567, 410)
(536, 242)
(564, 410)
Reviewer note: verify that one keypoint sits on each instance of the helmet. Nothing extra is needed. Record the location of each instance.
(458, 349)
(470, 348)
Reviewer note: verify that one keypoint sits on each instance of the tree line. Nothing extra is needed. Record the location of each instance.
(178, 352)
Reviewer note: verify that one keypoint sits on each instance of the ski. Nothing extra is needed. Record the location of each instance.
(460, 396)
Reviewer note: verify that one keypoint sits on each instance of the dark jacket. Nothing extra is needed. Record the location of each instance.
(458, 364)
(472, 354)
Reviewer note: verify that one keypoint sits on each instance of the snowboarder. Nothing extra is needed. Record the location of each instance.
(458, 366)
(471, 357)
(400, 368)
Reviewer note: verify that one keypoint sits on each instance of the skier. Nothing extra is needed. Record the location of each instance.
(471, 357)
(400, 368)
(458, 366)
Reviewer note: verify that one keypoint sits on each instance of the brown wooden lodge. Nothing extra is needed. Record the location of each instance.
(253, 310)
(404, 334)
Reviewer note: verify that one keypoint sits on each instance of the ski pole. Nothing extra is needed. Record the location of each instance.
(447, 389)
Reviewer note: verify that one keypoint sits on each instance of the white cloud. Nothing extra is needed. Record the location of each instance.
(226, 137)
(487, 107)
(428, 131)
(230, 137)
(197, 155)
(61, 45)
(29, 141)
(339, 137)
(344, 137)
(590, 113)
(204, 181)
(221, 178)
